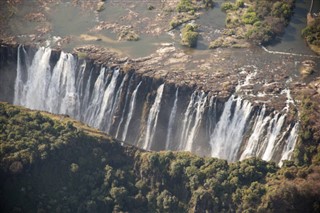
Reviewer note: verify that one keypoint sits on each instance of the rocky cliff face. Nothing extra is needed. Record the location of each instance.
(8, 63)
(147, 111)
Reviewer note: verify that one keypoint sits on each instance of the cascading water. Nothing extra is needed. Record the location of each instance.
(107, 102)
(192, 120)
(258, 131)
(129, 108)
(172, 118)
(38, 80)
(291, 142)
(131, 111)
(230, 129)
(153, 119)
(274, 132)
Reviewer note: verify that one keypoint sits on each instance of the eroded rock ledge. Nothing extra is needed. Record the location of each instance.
(254, 74)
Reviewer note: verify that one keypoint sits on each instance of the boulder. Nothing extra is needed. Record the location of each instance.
(307, 67)
(100, 6)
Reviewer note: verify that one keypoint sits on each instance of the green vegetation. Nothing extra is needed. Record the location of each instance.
(308, 149)
(227, 6)
(128, 35)
(249, 18)
(82, 55)
(312, 33)
(188, 10)
(189, 35)
(186, 6)
(182, 18)
(51, 163)
(259, 20)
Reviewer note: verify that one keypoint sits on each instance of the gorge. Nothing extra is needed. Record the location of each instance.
(159, 106)
(149, 113)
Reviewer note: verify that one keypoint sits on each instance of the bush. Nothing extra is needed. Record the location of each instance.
(249, 18)
(239, 3)
(74, 168)
(281, 9)
(189, 35)
(208, 3)
(312, 33)
(185, 6)
(260, 34)
(227, 6)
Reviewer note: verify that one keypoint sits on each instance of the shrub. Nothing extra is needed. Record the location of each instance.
(281, 9)
(260, 34)
(227, 6)
(208, 3)
(239, 3)
(189, 35)
(249, 18)
(74, 167)
(185, 6)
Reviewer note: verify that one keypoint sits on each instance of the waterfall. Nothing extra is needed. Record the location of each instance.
(112, 101)
(274, 131)
(125, 107)
(212, 112)
(186, 122)
(227, 136)
(104, 114)
(131, 111)
(18, 86)
(80, 82)
(62, 94)
(116, 104)
(258, 129)
(85, 101)
(172, 119)
(33, 92)
(192, 120)
(153, 119)
(96, 98)
(291, 142)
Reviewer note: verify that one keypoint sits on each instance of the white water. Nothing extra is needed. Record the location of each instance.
(192, 120)
(63, 89)
(197, 115)
(124, 108)
(19, 85)
(287, 53)
(187, 121)
(256, 135)
(227, 136)
(96, 98)
(172, 119)
(131, 111)
(116, 103)
(104, 114)
(33, 92)
(86, 98)
(290, 144)
(153, 119)
(273, 132)
(62, 93)
(80, 81)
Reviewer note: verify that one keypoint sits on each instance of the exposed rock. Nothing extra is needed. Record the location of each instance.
(100, 6)
(128, 34)
(16, 167)
(315, 48)
(228, 42)
(36, 17)
(307, 67)
(87, 37)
